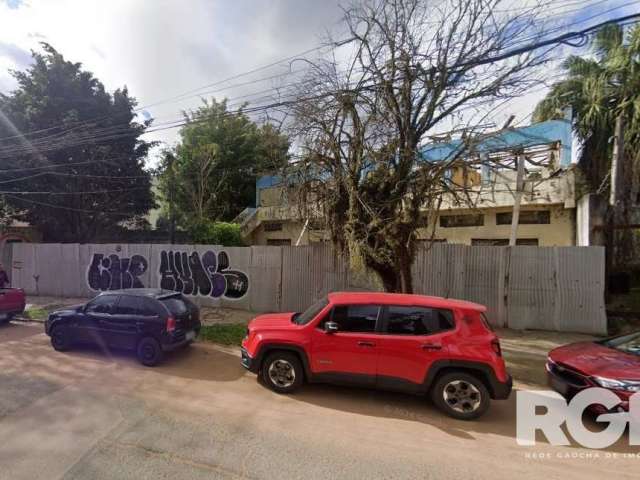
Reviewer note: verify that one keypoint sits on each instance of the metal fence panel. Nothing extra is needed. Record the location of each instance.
(264, 272)
(555, 288)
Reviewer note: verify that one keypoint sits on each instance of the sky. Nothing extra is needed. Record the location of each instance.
(160, 49)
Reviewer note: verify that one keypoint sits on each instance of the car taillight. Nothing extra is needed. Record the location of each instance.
(495, 345)
(171, 324)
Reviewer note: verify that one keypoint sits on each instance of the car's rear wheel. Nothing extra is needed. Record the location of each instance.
(61, 339)
(5, 318)
(149, 351)
(282, 372)
(461, 395)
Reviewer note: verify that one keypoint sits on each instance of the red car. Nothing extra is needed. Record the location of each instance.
(613, 363)
(413, 343)
(12, 302)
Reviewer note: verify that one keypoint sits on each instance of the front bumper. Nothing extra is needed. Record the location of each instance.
(47, 326)
(248, 361)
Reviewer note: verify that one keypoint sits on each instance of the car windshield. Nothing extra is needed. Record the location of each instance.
(310, 313)
(626, 343)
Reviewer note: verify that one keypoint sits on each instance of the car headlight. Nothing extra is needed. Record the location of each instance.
(627, 385)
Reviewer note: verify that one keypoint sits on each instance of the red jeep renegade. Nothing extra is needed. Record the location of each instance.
(425, 345)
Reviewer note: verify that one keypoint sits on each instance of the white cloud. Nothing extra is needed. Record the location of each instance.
(163, 48)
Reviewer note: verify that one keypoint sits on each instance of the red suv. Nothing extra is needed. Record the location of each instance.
(413, 343)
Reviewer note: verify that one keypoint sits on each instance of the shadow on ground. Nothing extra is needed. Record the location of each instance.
(499, 420)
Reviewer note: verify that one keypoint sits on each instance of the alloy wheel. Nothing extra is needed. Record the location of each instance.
(462, 396)
(282, 373)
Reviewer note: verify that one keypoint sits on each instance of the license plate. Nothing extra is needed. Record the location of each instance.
(559, 386)
(191, 335)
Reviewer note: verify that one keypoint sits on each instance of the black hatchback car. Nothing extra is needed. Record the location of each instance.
(149, 321)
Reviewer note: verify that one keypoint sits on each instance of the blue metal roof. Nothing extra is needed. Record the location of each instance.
(542, 133)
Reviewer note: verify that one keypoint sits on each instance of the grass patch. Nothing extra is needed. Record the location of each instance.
(35, 313)
(224, 333)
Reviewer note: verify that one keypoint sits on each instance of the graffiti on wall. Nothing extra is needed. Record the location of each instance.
(206, 274)
(110, 272)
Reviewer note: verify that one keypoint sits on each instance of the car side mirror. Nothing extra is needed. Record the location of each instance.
(330, 327)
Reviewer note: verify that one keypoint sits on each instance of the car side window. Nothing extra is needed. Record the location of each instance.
(405, 320)
(151, 308)
(128, 305)
(102, 304)
(356, 318)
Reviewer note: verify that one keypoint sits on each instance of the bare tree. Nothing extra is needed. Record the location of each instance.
(415, 69)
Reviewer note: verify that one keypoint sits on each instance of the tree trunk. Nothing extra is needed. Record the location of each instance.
(406, 281)
(390, 280)
(396, 278)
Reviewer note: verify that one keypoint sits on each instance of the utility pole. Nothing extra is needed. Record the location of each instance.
(515, 217)
(172, 214)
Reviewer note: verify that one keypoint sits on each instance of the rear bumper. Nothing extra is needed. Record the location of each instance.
(502, 390)
(174, 343)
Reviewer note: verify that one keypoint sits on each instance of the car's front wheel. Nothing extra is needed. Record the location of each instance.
(461, 395)
(282, 372)
(60, 339)
(149, 351)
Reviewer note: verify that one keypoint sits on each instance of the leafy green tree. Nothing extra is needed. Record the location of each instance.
(217, 233)
(77, 146)
(211, 174)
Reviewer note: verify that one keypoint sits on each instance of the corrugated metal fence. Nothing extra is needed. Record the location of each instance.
(552, 288)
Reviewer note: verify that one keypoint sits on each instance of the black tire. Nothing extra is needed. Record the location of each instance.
(149, 352)
(282, 372)
(61, 339)
(461, 395)
(5, 318)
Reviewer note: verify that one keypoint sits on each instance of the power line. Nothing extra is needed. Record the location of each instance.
(556, 40)
(113, 135)
(72, 209)
(81, 123)
(74, 175)
(219, 82)
(90, 192)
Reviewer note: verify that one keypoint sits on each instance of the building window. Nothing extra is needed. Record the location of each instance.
(272, 226)
(527, 217)
(274, 242)
(450, 221)
(503, 242)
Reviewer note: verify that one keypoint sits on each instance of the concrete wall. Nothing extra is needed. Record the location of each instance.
(559, 233)
(559, 288)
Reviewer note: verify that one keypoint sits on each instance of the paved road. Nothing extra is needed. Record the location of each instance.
(90, 415)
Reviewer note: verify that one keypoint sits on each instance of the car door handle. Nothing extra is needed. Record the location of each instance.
(431, 346)
(366, 344)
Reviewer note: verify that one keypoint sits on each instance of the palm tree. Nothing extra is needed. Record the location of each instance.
(599, 88)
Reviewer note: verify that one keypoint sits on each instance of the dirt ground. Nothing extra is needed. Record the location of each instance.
(524, 351)
(92, 413)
